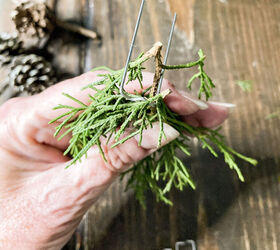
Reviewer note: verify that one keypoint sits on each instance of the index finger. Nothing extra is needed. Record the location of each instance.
(52, 96)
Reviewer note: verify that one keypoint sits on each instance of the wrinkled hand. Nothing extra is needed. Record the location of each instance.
(41, 202)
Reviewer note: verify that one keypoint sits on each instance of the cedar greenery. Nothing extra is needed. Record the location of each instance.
(110, 114)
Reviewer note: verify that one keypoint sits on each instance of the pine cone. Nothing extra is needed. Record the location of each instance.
(33, 22)
(31, 74)
(10, 45)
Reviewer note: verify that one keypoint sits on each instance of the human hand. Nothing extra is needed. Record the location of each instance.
(41, 202)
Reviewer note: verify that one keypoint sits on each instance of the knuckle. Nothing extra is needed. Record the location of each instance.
(117, 159)
(122, 157)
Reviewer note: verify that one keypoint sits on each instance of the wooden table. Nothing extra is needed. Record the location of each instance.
(241, 39)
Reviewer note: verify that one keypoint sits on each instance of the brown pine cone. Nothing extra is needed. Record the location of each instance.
(33, 22)
(31, 74)
(10, 45)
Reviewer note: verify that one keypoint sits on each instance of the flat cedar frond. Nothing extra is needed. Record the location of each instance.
(110, 114)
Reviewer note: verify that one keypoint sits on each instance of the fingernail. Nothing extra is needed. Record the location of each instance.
(151, 135)
(229, 106)
(202, 105)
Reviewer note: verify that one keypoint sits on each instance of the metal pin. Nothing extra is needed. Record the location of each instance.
(122, 91)
(167, 52)
(180, 244)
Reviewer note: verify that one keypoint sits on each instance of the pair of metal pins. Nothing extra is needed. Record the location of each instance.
(122, 91)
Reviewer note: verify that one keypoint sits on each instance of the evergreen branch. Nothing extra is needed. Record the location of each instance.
(110, 115)
(75, 100)
(206, 84)
(184, 66)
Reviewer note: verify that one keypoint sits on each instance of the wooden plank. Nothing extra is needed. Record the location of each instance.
(241, 40)
(238, 36)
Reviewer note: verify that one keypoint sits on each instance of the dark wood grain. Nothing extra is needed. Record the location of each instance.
(241, 40)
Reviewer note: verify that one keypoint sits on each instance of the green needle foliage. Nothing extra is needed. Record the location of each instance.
(206, 83)
(110, 115)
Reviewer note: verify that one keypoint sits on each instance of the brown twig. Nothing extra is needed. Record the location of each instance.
(77, 29)
(153, 52)
(73, 27)
(158, 62)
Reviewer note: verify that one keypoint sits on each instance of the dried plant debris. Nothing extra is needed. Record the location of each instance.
(274, 115)
(245, 85)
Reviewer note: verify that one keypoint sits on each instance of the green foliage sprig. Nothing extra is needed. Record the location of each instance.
(110, 114)
(206, 84)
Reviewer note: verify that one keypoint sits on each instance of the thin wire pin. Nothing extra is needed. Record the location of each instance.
(122, 91)
(180, 244)
(167, 52)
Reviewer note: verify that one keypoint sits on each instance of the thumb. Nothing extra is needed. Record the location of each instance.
(69, 193)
